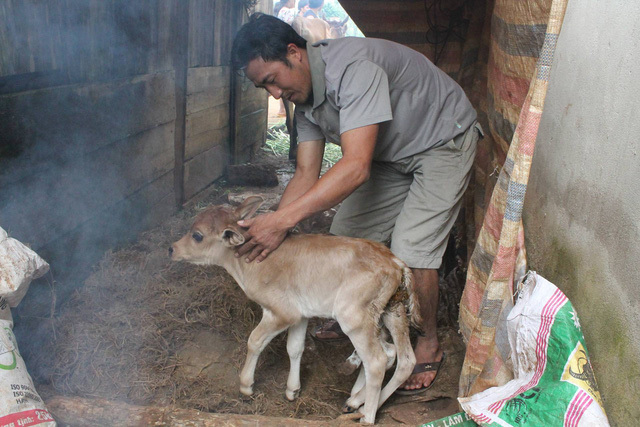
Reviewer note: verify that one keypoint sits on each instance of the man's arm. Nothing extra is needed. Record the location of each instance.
(266, 232)
(308, 166)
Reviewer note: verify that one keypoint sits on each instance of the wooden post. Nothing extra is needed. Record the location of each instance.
(235, 97)
(292, 129)
(180, 65)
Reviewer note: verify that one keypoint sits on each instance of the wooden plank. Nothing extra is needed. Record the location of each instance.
(207, 87)
(353, 7)
(205, 100)
(85, 40)
(253, 98)
(206, 140)
(201, 33)
(204, 78)
(252, 134)
(251, 119)
(235, 104)
(84, 118)
(74, 191)
(255, 103)
(164, 33)
(140, 159)
(16, 21)
(76, 411)
(181, 65)
(235, 100)
(253, 125)
(203, 169)
(75, 121)
(205, 120)
(7, 34)
(223, 24)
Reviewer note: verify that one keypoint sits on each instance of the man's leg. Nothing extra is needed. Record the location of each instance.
(427, 347)
(370, 213)
(421, 233)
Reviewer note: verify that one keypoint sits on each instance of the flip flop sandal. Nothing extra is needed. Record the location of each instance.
(419, 368)
(329, 331)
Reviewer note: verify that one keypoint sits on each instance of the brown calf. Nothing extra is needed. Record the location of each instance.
(359, 283)
(316, 29)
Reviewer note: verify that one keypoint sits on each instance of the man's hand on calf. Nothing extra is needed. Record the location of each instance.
(265, 233)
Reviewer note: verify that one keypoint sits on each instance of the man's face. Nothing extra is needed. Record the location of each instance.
(292, 82)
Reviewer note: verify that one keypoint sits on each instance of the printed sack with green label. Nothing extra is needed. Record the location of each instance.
(20, 404)
(553, 383)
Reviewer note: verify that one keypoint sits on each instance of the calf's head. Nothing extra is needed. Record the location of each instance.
(337, 27)
(213, 233)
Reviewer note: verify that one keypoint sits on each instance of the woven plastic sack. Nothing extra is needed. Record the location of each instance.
(20, 404)
(19, 265)
(461, 419)
(553, 383)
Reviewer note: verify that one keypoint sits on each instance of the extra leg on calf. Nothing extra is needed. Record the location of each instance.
(357, 394)
(366, 341)
(358, 391)
(295, 347)
(395, 320)
(268, 328)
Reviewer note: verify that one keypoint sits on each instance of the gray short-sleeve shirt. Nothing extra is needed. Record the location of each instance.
(358, 82)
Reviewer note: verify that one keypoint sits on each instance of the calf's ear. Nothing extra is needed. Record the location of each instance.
(232, 237)
(249, 206)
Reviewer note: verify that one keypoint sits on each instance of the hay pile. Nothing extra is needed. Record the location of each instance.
(133, 332)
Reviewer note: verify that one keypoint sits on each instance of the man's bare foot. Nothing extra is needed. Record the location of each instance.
(425, 352)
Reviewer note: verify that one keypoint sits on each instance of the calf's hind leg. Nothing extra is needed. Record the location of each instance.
(269, 327)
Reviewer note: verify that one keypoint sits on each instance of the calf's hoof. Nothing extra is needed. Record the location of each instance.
(348, 409)
(352, 404)
(246, 390)
(292, 394)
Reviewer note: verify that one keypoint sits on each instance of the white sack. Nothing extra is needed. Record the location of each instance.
(19, 265)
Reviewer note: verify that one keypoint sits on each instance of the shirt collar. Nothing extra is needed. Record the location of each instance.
(317, 66)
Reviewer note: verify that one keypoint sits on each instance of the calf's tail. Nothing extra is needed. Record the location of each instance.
(407, 294)
(411, 304)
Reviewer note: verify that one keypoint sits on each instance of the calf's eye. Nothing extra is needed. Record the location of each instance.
(197, 237)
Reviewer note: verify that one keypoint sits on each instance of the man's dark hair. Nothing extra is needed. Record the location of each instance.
(265, 37)
(314, 4)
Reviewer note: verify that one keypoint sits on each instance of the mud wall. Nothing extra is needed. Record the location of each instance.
(582, 211)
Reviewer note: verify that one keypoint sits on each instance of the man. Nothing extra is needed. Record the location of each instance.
(315, 9)
(408, 136)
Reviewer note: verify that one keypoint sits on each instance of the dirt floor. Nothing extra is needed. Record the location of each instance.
(146, 331)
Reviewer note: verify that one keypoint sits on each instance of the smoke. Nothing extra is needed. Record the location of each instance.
(87, 110)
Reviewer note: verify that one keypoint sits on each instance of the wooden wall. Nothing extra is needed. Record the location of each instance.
(419, 24)
(113, 113)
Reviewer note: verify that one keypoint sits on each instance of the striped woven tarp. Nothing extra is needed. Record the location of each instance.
(522, 44)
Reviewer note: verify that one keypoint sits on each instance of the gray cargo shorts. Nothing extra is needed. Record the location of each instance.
(413, 202)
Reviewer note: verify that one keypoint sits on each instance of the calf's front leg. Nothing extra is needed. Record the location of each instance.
(295, 347)
(269, 327)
